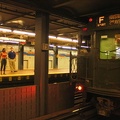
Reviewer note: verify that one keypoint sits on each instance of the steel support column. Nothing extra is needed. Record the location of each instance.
(41, 61)
(79, 37)
(20, 57)
(55, 58)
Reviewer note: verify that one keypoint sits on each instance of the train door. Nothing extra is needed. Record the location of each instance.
(84, 61)
(108, 61)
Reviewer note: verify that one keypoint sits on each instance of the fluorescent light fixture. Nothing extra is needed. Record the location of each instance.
(24, 32)
(5, 30)
(66, 47)
(59, 46)
(67, 39)
(75, 40)
(64, 39)
(74, 48)
(85, 46)
(20, 32)
(11, 39)
(83, 41)
(1, 40)
(33, 34)
(7, 41)
(52, 45)
(52, 37)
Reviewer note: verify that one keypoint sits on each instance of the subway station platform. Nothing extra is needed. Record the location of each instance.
(31, 72)
(18, 93)
(26, 77)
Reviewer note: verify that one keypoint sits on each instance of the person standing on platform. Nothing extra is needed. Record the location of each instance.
(12, 59)
(3, 57)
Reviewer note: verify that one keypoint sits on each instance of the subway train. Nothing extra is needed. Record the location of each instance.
(98, 65)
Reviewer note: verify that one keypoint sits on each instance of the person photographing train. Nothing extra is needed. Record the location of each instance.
(12, 59)
(3, 57)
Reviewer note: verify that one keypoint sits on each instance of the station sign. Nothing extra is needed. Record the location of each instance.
(45, 46)
(108, 20)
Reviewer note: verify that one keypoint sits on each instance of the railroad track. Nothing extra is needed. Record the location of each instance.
(84, 113)
(78, 112)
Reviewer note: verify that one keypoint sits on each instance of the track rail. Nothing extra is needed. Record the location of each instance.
(84, 113)
(80, 111)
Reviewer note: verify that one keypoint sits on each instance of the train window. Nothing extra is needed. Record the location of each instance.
(86, 43)
(110, 47)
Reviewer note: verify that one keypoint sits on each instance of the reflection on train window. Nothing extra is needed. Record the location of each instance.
(110, 47)
(86, 43)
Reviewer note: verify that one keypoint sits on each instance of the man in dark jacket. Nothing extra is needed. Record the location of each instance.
(12, 59)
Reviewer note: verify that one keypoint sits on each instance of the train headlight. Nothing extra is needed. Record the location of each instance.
(79, 88)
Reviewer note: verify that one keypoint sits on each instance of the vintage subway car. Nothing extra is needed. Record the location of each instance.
(99, 63)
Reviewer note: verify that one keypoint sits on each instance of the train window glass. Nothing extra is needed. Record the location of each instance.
(110, 47)
(86, 44)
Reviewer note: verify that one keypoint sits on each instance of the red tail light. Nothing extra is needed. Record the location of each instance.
(79, 88)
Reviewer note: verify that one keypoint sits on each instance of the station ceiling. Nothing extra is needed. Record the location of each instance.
(67, 17)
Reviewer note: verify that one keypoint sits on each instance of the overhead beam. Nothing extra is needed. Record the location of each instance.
(58, 28)
(64, 25)
(63, 4)
(9, 3)
(18, 16)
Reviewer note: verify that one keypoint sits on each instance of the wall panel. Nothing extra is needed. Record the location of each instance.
(18, 103)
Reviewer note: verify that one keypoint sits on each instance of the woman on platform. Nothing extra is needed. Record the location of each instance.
(3, 57)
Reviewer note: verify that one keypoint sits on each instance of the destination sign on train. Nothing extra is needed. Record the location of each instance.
(110, 20)
(114, 19)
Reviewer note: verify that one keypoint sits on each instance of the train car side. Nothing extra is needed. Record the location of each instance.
(99, 67)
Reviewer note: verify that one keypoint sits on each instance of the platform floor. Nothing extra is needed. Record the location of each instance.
(31, 72)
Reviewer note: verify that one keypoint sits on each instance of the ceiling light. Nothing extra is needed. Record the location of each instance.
(74, 48)
(24, 32)
(52, 45)
(83, 41)
(75, 40)
(85, 46)
(1, 40)
(59, 46)
(64, 39)
(52, 37)
(67, 39)
(5, 30)
(66, 47)
(33, 34)
(11, 39)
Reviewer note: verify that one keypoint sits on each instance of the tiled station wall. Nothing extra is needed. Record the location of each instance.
(18, 103)
(60, 96)
(28, 58)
